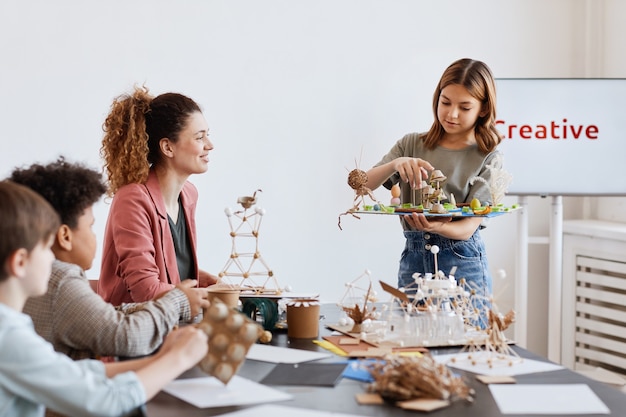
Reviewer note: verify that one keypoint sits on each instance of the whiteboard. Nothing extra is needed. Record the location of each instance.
(563, 136)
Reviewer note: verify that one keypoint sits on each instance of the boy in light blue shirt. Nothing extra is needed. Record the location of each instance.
(32, 375)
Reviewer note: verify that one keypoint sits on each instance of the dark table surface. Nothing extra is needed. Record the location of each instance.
(341, 398)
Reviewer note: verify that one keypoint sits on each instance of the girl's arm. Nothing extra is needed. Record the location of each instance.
(461, 229)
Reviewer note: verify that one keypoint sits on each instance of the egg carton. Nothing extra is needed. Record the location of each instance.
(231, 334)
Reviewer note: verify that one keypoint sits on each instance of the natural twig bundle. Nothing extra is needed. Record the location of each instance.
(357, 179)
(499, 179)
(358, 314)
(401, 378)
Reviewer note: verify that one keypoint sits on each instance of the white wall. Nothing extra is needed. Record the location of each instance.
(294, 93)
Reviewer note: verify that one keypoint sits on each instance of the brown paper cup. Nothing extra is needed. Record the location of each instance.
(303, 319)
(228, 296)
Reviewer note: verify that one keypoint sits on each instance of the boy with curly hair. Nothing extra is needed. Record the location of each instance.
(70, 315)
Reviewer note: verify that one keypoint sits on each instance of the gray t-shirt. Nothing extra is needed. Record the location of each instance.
(182, 246)
(459, 166)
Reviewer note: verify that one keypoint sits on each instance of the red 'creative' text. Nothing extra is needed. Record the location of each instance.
(553, 130)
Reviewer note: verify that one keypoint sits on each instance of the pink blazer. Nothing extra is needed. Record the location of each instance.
(138, 258)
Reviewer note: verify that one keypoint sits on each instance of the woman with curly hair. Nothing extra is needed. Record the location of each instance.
(151, 146)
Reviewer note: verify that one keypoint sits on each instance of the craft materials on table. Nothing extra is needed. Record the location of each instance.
(356, 348)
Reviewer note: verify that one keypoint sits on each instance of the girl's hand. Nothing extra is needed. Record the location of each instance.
(412, 170)
(418, 221)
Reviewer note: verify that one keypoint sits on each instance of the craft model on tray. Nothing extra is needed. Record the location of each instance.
(435, 202)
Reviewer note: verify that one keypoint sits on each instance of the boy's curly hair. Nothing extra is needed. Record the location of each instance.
(70, 188)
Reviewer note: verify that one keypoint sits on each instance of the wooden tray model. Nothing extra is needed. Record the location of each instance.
(458, 212)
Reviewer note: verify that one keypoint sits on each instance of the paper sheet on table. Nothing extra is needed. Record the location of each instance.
(275, 354)
(519, 366)
(210, 392)
(283, 411)
(564, 399)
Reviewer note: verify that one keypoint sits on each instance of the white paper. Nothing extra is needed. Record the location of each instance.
(565, 399)
(210, 392)
(283, 411)
(275, 354)
(500, 365)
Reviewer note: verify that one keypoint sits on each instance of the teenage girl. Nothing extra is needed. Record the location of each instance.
(460, 143)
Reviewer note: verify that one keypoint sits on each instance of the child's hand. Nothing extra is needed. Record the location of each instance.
(418, 221)
(412, 170)
(198, 297)
(189, 343)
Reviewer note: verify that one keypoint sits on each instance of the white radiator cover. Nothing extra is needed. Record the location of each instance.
(594, 295)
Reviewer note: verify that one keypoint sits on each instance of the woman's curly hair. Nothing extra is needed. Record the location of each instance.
(133, 129)
(70, 188)
(125, 143)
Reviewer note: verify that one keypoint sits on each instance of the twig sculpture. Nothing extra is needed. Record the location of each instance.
(244, 265)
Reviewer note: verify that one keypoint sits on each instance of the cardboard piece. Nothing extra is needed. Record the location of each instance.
(395, 292)
(496, 379)
(369, 398)
(423, 404)
(361, 349)
(370, 353)
(347, 347)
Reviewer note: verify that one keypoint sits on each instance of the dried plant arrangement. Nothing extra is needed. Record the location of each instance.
(350, 302)
(499, 180)
(360, 314)
(402, 378)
